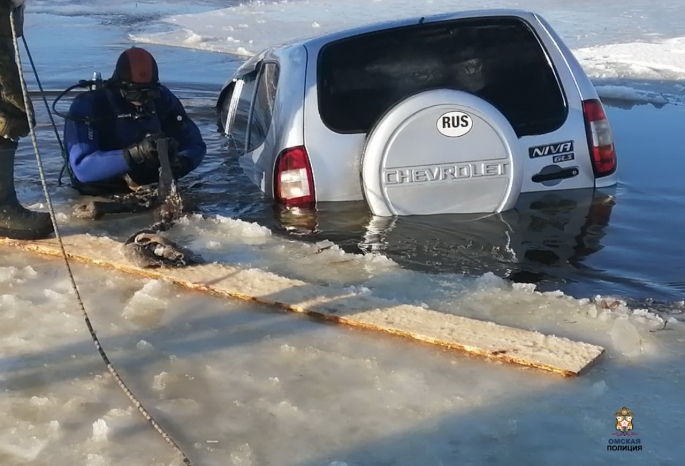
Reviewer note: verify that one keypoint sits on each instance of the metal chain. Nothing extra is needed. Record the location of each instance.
(53, 218)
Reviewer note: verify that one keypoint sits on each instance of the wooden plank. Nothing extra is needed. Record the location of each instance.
(551, 353)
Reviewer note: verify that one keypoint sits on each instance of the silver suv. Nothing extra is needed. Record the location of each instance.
(455, 113)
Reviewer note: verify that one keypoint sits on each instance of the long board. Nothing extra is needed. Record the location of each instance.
(551, 353)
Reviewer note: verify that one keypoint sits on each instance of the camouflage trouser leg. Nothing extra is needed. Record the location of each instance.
(13, 120)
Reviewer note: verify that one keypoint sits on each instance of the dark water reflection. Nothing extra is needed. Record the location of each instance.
(545, 240)
(625, 241)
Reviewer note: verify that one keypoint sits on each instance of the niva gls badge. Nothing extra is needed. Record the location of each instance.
(556, 148)
(443, 173)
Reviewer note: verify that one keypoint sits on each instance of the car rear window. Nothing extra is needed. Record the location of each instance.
(499, 59)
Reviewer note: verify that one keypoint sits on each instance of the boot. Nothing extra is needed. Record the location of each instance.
(16, 222)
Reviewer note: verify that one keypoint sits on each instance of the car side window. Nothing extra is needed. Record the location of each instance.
(263, 107)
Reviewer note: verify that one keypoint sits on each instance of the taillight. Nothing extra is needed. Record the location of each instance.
(293, 178)
(599, 138)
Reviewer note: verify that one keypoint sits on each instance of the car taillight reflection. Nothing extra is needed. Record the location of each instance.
(600, 139)
(293, 178)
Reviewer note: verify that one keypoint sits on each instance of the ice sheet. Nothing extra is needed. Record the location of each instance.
(233, 380)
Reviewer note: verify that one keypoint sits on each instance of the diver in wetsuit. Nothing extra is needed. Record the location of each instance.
(111, 133)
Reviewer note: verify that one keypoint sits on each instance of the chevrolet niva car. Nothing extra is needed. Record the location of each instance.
(453, 113)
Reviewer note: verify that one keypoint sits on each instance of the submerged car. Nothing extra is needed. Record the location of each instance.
(453, 113)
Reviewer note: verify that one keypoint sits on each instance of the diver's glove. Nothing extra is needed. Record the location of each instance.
(144, 153)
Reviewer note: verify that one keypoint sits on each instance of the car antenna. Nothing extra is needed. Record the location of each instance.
(421, 20)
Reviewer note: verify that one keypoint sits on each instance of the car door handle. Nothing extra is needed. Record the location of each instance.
(558, 175)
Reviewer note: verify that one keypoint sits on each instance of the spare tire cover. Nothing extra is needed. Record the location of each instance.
(441, 151)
